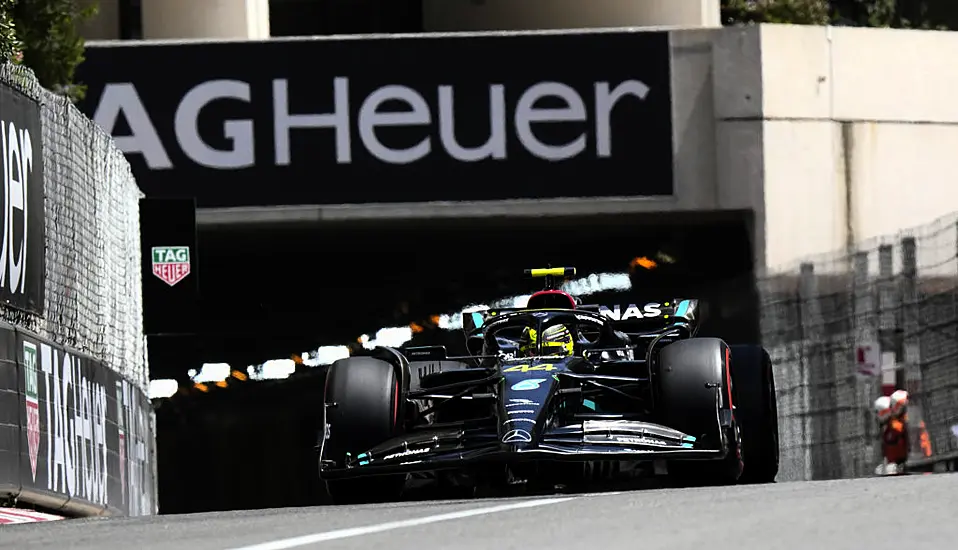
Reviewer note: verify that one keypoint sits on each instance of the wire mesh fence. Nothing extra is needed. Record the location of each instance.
(897, 295)
(92, 299)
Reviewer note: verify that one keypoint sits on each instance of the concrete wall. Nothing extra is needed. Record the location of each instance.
(488, 15)
(250, 18)
(831, 136)
(859, 133)
(183, 19)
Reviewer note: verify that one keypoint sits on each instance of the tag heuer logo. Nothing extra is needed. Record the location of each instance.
(33, 404)
(171, 263)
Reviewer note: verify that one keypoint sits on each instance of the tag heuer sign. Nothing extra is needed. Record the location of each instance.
(171, 263)
(33, 404)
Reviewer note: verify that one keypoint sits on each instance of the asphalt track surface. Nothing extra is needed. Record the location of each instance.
(874, 514)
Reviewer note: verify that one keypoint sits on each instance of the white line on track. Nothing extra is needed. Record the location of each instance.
(283, 544)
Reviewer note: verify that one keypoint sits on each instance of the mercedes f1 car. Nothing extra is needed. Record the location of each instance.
(556, 391)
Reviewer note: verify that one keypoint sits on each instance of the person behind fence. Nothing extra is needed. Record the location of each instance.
(893, 422)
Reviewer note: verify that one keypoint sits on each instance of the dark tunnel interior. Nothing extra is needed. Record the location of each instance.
(272, 292)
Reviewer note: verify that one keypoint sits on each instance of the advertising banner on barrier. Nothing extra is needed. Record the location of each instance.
(84, 441)
(385, 120)
(9, 417)
(22, 259)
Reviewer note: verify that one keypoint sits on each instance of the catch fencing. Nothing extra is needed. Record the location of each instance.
(897, 294)
(92, 299)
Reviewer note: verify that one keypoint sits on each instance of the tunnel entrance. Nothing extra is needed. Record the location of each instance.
(272, 291)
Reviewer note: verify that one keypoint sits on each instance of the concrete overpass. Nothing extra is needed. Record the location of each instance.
(250, 19)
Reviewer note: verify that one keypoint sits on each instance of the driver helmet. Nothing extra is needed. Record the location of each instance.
(556, 340)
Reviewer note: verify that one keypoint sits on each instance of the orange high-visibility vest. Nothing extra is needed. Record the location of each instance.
(895, 441)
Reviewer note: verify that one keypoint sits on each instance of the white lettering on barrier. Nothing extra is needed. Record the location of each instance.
(416, 114)
(135, 472)
(76, 428)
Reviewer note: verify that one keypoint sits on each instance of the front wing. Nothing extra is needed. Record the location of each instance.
(588, 441)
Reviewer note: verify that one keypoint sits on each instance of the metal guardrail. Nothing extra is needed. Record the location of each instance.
(945, 462)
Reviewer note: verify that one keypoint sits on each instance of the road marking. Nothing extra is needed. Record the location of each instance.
(283, 544)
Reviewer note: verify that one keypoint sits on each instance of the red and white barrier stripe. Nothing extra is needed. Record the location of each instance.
(17, 515)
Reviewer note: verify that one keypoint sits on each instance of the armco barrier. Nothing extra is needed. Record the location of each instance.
(76, 427)
(897, 295)
(84, 440)
(942, 462)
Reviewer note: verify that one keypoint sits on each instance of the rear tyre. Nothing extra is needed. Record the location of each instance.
(693, 388)
(756, 410)
(362, 410)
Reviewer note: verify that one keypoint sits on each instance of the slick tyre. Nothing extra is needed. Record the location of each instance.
(693, 389)
(362, 410)
(756, 410)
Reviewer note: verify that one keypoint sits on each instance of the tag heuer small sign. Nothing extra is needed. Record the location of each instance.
(171, 263)
(33, 404)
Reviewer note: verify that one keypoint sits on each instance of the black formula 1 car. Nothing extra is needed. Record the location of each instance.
(637, 394)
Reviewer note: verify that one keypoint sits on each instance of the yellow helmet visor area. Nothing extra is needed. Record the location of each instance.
(556, 340)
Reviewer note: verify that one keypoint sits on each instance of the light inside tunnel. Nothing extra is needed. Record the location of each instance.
(161, 389)
(212, 372)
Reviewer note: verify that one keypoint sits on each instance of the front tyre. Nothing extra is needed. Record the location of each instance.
(756, 410)
(694, 393)
(362, 409)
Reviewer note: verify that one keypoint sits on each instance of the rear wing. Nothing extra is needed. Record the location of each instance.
(633, 318)
(627, 317)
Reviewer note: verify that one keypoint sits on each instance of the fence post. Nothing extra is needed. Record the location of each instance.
(888, 306)
(865, 330)
(826, 460)
(909, 376)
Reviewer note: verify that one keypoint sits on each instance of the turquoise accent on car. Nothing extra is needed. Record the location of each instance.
(682, 309)
(588, 403)
(687, 445)
(363, 462)
(689, 438)
(477, 319)
(528, 384)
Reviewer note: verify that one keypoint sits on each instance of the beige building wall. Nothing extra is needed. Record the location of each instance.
(237, 19)
(483, 15)
(230, 19)
(860, 134)
(832, 136)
